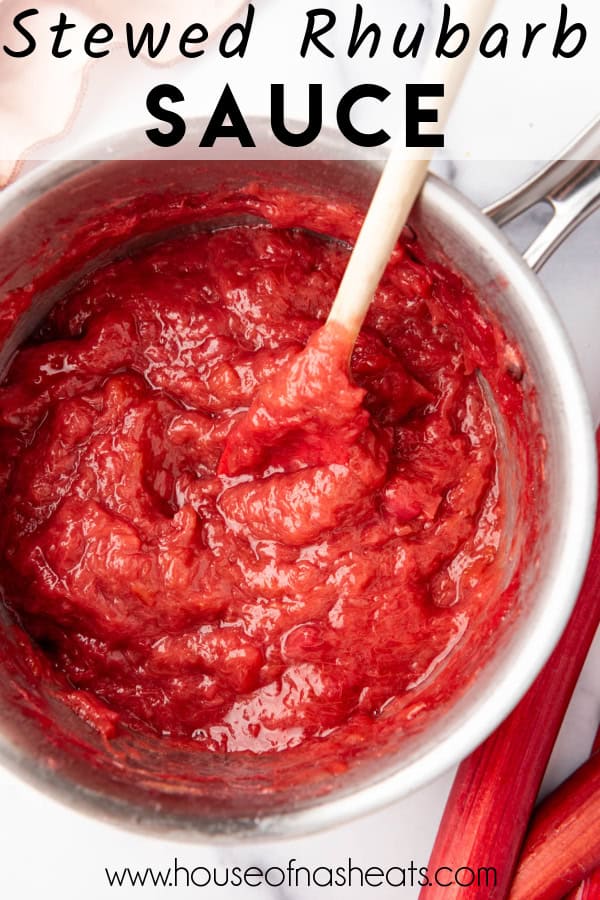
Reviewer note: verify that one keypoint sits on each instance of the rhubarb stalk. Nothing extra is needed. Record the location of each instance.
(495, 789)
(590, 888)
(563, 842)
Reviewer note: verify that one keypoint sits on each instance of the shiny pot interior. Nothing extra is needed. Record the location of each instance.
(147, 784)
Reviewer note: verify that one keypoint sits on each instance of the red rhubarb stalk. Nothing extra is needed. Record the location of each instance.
(495, 789)
(590, 888)
(563, 842)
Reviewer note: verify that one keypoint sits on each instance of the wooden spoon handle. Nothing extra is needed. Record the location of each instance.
(400, 183)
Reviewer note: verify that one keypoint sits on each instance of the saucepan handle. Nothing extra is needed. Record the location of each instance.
(571, 185)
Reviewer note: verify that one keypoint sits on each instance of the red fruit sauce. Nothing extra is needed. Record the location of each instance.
(217, 533)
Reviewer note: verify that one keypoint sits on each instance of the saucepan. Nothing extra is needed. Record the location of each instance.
(158, 788)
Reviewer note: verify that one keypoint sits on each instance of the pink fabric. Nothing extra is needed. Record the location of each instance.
(39, 98)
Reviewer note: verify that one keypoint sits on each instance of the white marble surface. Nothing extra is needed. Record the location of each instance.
(48, 850)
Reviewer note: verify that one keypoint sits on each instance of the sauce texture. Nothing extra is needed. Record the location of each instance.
(218, 534)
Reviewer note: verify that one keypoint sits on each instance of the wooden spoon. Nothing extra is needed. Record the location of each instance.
(400, 183)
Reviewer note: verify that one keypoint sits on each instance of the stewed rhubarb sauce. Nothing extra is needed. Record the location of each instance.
(217, 532)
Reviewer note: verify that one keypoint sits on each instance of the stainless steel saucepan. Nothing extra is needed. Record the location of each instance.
(157, 788)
